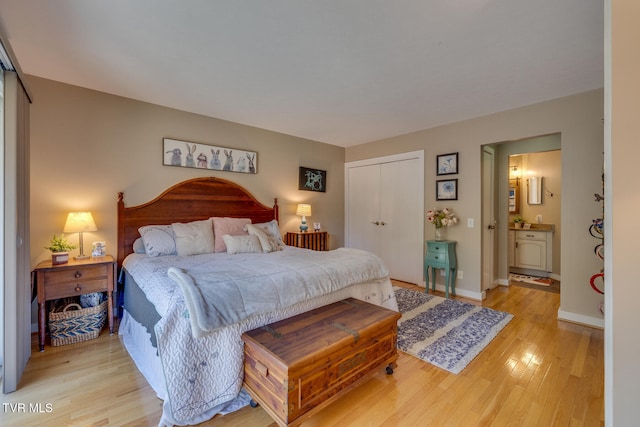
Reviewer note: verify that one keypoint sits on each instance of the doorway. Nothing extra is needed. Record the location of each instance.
(539, 156)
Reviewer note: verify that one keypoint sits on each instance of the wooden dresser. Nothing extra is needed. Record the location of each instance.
(298, 366)
(316, 240)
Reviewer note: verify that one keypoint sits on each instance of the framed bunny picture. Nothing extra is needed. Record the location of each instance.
(204, 156)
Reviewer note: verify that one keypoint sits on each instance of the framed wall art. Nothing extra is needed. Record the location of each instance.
(203, 156)
(311, 179)
(447, 189)
(447, 164)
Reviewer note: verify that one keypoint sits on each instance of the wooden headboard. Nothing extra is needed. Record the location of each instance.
(191, 200)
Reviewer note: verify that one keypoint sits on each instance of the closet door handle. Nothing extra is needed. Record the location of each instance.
(383, 223)
(375, 222)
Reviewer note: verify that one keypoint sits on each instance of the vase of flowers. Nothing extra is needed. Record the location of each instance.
(441, 219)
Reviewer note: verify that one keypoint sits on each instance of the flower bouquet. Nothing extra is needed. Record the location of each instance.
(441, 218)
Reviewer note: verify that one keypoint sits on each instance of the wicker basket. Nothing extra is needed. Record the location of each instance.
(72, 326)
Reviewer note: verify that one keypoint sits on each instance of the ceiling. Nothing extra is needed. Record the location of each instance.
(343, 72)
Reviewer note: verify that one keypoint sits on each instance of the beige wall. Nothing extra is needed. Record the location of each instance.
(87, 146)
(622, 204)
(578, 120)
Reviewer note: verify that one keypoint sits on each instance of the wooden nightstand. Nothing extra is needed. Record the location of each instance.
(316, 240)
(72, 279)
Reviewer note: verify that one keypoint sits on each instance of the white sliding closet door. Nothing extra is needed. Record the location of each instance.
(16, 263)
(385, 212)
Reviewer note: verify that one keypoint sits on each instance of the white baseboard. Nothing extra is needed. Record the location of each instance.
(477, 296)
(502, 282)
(580, 319)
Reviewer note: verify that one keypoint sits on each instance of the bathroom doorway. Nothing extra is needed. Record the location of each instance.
(538, 157)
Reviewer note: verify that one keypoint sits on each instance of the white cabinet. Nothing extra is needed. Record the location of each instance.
(531, 250)
(385, 213)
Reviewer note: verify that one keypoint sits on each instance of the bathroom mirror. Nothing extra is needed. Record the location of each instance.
(534, 190)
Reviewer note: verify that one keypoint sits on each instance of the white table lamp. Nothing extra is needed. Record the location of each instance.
(79, 222)
(304, 211)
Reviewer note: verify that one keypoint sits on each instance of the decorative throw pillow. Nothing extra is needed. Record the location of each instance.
(158, 240)
(267, 242)
(273, 230)
(242, 244)
(194, 238)
(230, 226)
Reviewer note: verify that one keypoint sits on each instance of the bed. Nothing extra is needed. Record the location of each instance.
(184, 311)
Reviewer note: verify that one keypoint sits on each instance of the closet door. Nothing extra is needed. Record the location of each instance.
(364, 207)
(384, 212)
(16, 322)
(402, 219)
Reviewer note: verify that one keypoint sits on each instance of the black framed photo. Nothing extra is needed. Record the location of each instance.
(311, 179)
(447, 164)
(447, 189)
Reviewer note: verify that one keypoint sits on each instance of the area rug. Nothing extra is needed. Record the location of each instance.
(444, 332)
(532, 280)
(554, 287)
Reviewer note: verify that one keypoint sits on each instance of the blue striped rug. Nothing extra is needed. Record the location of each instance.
(444, 332)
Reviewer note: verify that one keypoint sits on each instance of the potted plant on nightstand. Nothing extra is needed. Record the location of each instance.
(60, 247)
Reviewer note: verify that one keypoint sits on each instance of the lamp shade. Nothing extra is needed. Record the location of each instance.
(303, 210)
(77, 222)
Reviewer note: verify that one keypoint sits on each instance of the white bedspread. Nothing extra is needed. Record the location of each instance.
(219, 294)
(203, 374)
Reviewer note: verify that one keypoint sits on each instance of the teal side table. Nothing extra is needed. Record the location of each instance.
(441, 254)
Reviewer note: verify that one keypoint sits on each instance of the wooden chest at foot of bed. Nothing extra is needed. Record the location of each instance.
(297, 366)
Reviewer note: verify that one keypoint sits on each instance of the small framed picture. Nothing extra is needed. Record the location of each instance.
(447, 189)
(98, 249)
(447, 164)
(311, 179)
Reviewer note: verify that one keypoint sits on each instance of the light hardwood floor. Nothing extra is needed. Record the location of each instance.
(537, 372)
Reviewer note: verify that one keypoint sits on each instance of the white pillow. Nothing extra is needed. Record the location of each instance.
(242, 244)
(158, 240)
(138, 246)
(273, 230)
(194, 238)
(267, 242)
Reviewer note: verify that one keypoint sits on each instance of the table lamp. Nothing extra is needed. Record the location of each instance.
(79, 222)
(304, 211)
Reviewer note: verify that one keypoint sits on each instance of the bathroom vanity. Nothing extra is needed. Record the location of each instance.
(531, 250)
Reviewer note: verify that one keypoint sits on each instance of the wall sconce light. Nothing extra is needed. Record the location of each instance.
(514, 172)
(304, 211)
(79, 222)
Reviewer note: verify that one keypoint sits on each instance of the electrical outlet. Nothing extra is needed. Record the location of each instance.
(442, 271)
(470, 223)
(460, 275)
